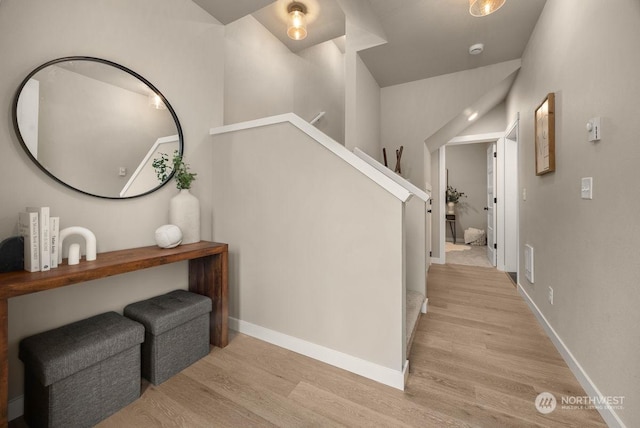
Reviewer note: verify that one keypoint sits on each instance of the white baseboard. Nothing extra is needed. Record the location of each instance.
(610, 416)
(384, 375)
(15, 408)
(425, 306)
(438, 260)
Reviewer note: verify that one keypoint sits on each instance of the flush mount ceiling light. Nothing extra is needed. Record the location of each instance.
(484, 7)
(297, 21)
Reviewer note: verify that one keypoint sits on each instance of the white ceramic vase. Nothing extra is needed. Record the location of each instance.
(184, 212)
(451, 206)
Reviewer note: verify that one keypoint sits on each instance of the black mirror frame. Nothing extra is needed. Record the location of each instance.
(14, 112)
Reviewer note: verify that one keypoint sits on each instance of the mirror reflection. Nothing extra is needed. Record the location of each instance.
(95, 126)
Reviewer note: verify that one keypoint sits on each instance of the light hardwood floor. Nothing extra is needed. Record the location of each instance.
(479, 359)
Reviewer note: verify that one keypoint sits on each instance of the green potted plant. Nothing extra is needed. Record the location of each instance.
(184, 208)
(453, 196)
(163, 169)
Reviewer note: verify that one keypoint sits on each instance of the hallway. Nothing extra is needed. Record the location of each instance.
(469, 255)
(479, 359)
(481, 356)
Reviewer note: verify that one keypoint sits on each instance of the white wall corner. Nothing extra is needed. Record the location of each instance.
(387, 376)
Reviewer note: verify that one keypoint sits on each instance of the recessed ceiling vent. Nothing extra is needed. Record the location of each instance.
(476, 49)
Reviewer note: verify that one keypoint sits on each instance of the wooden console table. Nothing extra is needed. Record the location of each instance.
(208, 275)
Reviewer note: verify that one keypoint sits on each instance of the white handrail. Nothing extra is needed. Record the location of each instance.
(392, 175)
(317, 118)
(145, 160)
(338, 149)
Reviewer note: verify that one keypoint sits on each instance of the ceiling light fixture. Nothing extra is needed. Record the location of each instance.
(155, 101)
(473, 116)
(297, 22)
(484, 7)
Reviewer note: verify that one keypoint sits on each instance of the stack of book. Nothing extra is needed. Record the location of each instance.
(40, 232)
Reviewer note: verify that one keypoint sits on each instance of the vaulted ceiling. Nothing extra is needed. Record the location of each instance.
(425, 38)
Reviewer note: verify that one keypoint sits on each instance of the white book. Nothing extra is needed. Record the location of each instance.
(54, 229)
(45, 238)
(28, 225)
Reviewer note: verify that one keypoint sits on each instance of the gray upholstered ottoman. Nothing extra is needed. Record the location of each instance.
(81, 373)
(176, 332)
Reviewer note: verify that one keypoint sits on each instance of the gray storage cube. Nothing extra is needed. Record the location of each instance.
(176, 332)
(79, 374)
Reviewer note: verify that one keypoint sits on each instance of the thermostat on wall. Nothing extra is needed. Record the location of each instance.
(593, 128)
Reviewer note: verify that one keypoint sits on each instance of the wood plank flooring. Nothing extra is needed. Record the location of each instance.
(479, 359)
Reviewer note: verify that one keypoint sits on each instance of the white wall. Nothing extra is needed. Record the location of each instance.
(366, 124)
(264, 78)
(586, 249)
(467, 166)
(310, 257)
(412, 112)
(416, 245)
(320, 86)
(494, 121)
(178, 48)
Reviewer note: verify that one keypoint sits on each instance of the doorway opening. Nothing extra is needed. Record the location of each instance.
(499, 207)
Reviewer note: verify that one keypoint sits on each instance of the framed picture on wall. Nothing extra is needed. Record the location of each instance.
(545, 136)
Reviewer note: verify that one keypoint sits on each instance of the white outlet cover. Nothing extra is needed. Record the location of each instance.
(586, 188)
(528, 263)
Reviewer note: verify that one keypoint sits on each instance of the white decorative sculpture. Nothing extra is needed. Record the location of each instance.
(74, 254)
(89, 240)
(168, 236)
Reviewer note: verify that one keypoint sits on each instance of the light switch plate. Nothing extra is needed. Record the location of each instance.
(587, 188)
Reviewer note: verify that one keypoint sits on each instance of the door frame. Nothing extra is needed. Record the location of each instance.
(492, 206)
(510, 142)
(510, 228)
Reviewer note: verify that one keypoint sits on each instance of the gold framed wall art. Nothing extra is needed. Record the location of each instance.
(545, 136)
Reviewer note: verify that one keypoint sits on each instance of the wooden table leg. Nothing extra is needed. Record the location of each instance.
(4, 363)
(209, 276)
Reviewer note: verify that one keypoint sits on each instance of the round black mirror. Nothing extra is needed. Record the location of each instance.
(95, 126)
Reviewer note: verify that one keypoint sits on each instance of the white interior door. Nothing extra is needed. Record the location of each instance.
(491, 204)
(428, 232)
